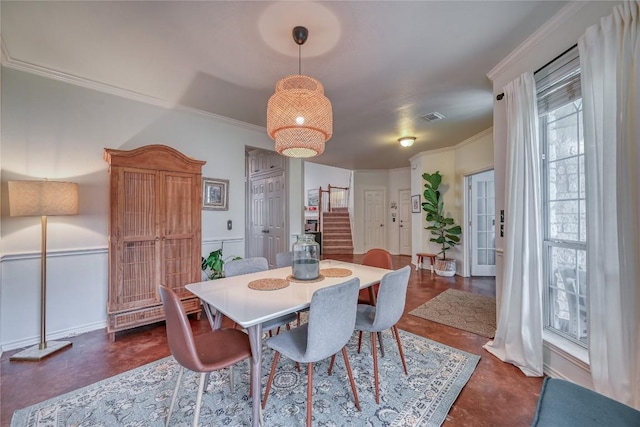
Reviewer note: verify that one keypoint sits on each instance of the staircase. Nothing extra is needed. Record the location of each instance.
(336, 232)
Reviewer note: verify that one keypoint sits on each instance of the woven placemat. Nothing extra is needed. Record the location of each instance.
(320, 278)
(336, 272)
(268, 284)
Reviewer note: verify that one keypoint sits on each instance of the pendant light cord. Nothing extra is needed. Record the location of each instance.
(299, 59)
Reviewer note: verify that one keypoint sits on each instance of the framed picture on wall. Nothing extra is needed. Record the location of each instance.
(312, 197)
(215, 194)
(415, 203)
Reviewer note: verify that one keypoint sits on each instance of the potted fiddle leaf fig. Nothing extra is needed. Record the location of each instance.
(213, 265)
(444, 229)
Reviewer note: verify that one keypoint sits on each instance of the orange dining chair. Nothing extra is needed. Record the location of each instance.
(374, 258)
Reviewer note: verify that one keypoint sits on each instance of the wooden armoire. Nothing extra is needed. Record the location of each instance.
(154, 233)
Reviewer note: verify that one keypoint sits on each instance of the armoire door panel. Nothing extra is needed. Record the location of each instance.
(179, 204)
(138, 275)
(139, 208)
(178, 263)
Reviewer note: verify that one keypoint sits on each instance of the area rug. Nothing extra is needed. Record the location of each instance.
(462, 310)
(141, 397)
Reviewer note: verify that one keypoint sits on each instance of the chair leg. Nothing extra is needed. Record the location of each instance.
(231, 388)
(380, 343)
(175, 394)
(196, 411)
(333, 360)
(353, 384)
(404, 364)
(309, 392)
(271, 374)
(359, 341)
(374, 353)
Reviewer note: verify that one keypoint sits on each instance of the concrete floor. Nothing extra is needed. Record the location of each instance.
(497, 394)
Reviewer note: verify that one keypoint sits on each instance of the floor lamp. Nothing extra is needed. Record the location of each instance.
(42, 198)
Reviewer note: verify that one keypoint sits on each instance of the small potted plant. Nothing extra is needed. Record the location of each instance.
(446, 233)
(213, 265)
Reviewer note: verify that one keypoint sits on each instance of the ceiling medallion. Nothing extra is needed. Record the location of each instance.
(299, 116)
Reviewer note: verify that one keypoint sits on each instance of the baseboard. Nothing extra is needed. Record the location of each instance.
(65, 333)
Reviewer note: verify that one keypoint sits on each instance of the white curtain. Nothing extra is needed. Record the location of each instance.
(518, 337)
(610, 64)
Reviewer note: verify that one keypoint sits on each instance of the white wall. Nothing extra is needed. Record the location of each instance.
(316, 176)
(465, 158)
(399, 179)
(472, 156)
(59, 131)
(553, 38)
(442, 160)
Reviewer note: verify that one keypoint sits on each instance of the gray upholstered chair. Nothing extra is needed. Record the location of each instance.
(255, 265)
(332, 317)
(384, 315)
(284, 259)
(245, 266)
(204, 353)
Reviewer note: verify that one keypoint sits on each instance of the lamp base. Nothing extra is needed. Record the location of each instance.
(35, 353)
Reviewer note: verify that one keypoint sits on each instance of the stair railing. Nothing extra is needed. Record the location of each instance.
(329, 200)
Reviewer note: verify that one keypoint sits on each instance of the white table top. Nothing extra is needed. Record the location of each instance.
(247, 307)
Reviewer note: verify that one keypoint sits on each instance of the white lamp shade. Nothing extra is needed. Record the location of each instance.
(42, 198)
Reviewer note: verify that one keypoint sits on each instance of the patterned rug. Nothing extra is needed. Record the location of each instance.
(141, 397)
(463, 310)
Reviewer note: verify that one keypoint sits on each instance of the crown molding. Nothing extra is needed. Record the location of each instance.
(434, 151)
(563, 15)
(474, 138)
(28, 67)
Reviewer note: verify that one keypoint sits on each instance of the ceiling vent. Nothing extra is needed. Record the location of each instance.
(432, 117)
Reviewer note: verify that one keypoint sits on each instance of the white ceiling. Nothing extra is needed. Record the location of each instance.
(383, 64)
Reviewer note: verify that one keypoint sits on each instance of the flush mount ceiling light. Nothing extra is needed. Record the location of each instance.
(299, 116)
(407, 141)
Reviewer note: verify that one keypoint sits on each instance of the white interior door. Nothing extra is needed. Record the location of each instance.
(274, 221)
(483, 230)
(374, 219)
(257, 218)
(404, 208)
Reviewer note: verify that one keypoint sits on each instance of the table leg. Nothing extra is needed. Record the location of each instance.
(214, 320)
(255, 339)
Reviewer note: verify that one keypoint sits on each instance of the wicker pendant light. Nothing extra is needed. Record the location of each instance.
(299, 116)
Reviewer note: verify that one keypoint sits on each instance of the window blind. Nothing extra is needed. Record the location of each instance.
(558, 83)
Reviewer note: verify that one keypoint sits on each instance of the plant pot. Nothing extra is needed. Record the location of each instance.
(445, 267)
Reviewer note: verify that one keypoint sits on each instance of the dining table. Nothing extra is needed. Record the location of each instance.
(250, 308)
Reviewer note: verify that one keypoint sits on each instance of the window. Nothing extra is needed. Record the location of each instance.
(564, 204)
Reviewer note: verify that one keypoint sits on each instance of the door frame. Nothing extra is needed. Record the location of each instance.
(467, 246)
(248, 202)
(408, 191)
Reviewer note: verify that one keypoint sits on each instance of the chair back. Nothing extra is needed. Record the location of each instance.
(284, 259)
(179, 332)
(378, 258)
(332, 319)
(391, 298)
(245, 266)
